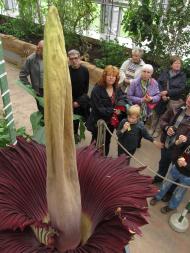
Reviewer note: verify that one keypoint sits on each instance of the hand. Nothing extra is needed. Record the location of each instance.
(181, 162)
(148, 98)
(170, 131)
(126, 126)
(117, 111)
(181, 139)
(158, 144)
(127, 81)
(76, 104)
(145, 99)
(164, 98)
(164, 93)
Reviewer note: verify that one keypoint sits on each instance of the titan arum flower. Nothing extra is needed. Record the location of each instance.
(57, 200)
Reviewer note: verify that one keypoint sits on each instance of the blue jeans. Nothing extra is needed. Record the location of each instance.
(179, 192)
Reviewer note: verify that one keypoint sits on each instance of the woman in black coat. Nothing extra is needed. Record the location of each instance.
(172, 84)
(104, 97)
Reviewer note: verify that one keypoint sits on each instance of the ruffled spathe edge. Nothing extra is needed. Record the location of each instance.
(113, 196)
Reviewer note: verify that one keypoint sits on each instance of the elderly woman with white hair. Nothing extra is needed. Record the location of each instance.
(144, 91)
(131, 68)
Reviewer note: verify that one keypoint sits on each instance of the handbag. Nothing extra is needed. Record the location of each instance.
(151, 106)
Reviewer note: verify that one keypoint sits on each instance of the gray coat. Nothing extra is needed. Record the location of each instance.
(31, 68)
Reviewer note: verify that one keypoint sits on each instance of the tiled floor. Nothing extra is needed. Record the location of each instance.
(158, 237)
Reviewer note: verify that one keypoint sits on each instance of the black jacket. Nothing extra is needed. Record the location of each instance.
(184, 152)
(101, 106)
(176, 84)
(79, 82)
(130, 139)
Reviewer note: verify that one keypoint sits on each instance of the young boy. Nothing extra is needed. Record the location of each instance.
(131, 129)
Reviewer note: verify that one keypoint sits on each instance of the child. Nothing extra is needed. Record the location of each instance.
(131, 129)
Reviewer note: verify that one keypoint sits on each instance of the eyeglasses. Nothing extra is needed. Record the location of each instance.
(73, 58)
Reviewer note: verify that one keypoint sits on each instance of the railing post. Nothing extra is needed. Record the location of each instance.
(101, 136)
(179, 221)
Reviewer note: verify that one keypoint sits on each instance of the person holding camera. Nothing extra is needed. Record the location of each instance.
(180, 171)
(174, 123)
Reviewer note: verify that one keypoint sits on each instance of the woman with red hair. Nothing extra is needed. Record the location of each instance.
(103, 100)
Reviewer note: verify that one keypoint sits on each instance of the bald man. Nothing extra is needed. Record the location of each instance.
(33, 68)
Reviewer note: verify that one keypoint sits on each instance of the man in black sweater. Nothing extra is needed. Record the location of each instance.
(80, 84)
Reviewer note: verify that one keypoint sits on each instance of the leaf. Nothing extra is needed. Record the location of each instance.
(27, 88)
(36, 120)
(2, 130)
(21, 131)
(31, 91)
(40, 100)
(81, 135)
(77, 117)
(82, 130)
(39, 135)
(4, 140)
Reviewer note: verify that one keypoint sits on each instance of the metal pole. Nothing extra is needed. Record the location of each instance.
(5, 94)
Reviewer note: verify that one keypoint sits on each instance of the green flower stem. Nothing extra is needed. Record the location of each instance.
(7, 108)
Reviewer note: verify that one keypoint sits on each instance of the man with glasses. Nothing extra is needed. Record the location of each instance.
(80, 84)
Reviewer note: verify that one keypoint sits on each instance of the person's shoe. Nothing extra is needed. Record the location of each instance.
(153, 201)
(166, 209)
(167, 197)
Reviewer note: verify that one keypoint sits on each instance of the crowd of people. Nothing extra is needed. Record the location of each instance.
(126, 99)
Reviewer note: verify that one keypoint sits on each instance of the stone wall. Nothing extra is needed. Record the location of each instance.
(16, 51)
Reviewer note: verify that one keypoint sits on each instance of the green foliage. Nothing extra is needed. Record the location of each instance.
(81, 135)
(24, 30)
(112, 54)
(2, 4)
(4, 133)
(163, 27)
(138, 21)
(36, 118)
(37, 122)
(75, 15)
(30, 90)
(38, 129)
(30, 11)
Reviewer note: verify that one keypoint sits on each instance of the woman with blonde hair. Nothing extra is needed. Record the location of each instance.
(104, 96)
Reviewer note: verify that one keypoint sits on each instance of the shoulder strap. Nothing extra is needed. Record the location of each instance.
(170, 140)
(187, 150)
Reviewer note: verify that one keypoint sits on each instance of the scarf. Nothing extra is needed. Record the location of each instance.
(144, 87)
